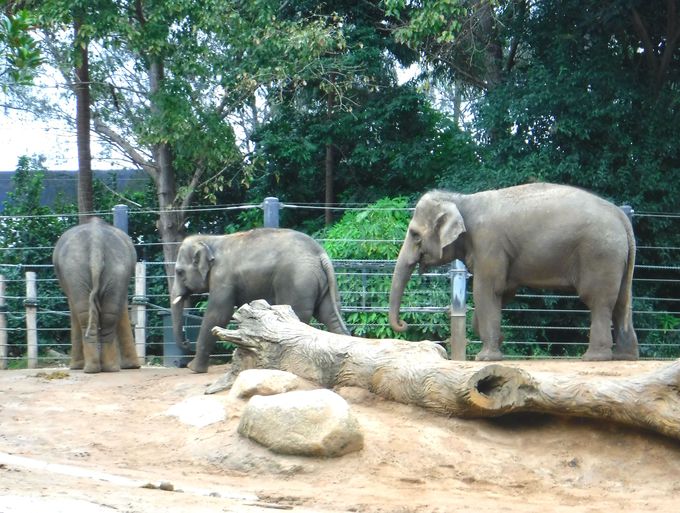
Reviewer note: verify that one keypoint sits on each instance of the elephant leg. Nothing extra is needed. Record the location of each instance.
(625, 339)
(77, 359)
(110, 357)
(488, 319)
(126, 342)
(91, 343)
(303, 307)
(325, 313)
(600, 341)
(109, 353)
(214, 316)
(599, 292)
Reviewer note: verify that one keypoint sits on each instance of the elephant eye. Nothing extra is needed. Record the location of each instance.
(179, 272)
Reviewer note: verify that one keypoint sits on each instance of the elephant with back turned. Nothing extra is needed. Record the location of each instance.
(94, 262)
(279, 265)
(536, 235)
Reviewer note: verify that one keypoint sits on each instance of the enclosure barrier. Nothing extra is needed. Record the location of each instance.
(29, 327)
(3, 325)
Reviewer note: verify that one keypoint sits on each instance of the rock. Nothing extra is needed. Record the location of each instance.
(198, 411)
(267, 382)
(303, 423)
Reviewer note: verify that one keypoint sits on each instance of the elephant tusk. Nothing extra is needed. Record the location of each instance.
(177, 300)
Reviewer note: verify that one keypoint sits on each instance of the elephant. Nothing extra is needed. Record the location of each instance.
(538, 235)
(281, 266)
(94, 262)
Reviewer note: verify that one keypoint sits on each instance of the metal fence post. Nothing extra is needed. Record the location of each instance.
(458, 273)
(120, 217)
(3, 325)
(629, 211)
(31, 304)
(271, 207)
(139, 302)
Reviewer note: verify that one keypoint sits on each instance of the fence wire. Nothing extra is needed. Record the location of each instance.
(535, 325)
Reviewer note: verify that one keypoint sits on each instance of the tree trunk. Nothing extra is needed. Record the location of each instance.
(329, 162)
(170, 220)
(419, 373)
(330, 172)
(82, 93)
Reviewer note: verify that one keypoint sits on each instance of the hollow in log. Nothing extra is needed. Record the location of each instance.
(419, 373)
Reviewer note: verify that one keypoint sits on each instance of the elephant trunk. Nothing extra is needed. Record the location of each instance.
(402, 273)
(177, 308)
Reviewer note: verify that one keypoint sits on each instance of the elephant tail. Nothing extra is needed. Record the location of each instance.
(96, 268)
(624, 303)
(333, 292)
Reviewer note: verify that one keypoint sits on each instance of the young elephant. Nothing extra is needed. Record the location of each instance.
(537, 235)
(94, 262)
(278, 265)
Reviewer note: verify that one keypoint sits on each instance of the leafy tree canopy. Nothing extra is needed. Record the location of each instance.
(18, 49)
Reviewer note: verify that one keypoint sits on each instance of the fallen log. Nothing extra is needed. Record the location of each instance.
(419, 373)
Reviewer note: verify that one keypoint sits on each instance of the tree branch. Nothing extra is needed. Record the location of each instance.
(115, 138)
(418, 373)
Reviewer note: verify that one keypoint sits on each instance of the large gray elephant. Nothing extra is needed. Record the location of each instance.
(279, 265)
(536, 235)
(94, 262)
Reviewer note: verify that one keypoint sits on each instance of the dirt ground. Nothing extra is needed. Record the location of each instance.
(151, 441)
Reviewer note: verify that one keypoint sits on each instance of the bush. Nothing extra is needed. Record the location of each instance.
(373, 236)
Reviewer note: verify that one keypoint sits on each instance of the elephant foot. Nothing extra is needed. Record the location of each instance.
(92, 368)
(77, 364)
(110, 368)
(198, 367)
(625, 354)
(130, 364)
(597, 355)
(489, 355)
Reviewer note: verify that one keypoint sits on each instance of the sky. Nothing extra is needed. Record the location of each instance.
(22, 135)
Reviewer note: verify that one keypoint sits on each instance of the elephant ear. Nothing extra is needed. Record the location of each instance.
(203, 259)
(449, 224)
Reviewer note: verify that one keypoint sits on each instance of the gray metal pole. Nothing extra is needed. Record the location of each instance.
(120, 217)
(31, 305)
(459, 274)
(271, 207)
(628, 210)
(3, 325)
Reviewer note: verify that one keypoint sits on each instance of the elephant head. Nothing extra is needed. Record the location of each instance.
(435, 226)
(192, 274)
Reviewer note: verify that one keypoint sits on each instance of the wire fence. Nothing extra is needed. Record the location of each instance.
(537, 324)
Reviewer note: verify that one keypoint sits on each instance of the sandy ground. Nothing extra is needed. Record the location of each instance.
(151, 441)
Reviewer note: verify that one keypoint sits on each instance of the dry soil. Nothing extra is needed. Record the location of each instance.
(150, 441)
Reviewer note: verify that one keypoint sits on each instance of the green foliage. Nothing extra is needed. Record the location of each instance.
(392, 143)
(439, 20)
(28, 232)
(373, 235)
(28, 228)
(18, 49)
(587, 103)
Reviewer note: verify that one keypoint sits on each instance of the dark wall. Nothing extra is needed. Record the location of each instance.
(66, 183)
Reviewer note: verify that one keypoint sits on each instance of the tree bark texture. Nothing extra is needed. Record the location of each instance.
(418, 373)
(170, 220)
(329, 162)
(83, 114)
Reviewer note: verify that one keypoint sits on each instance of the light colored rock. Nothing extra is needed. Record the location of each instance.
(198, 411)
(304, 423)
(267, 382)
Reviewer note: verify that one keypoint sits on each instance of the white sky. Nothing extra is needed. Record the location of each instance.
(21, 134)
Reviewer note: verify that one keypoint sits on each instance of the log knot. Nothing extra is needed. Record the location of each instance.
(496, 389)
